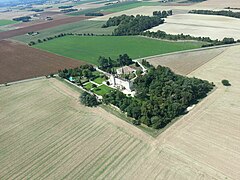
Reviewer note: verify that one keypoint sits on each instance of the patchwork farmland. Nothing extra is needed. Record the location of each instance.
(51, 135)
(40, 26)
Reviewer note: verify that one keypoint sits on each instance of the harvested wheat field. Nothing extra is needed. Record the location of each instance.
(46, 134)
(185, 62)
(215, 27)
(18, 62)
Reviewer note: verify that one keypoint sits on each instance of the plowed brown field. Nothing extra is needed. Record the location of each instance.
(18, 62)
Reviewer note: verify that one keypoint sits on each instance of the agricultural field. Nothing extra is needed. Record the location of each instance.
(215, 27)
(20, 62)
(117, 7)
(81, 27)
(187, 62)
(89, 48)
(40, 26)
(4, 22)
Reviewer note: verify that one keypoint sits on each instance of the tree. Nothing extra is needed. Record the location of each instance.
(88, 99)
(226, 82)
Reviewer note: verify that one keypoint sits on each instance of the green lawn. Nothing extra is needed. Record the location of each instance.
(89, 48)
(77, 27)
(101, 90)
(99, 80)
(4, 22)
(88, 86)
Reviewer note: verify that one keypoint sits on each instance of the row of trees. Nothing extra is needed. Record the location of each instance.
(163, 35)
(108, 64)
(131, 25)
(221, 13)
(31, 43)
(94, 14)
(161, 96)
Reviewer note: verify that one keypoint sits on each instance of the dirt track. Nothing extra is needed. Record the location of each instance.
(20, 62)
(41, 26)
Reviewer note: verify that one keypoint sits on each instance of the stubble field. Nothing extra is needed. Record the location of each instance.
(187, 62)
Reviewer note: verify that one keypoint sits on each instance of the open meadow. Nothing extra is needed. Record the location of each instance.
(47, 134)
(89, 48)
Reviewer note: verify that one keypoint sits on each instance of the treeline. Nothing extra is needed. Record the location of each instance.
(65, 7)
(163, 14)
(221, 13)
(163, 35)
(37, 10)
(68, 10)
(31, 43)
(131, 25)
(108, 64)
(160, 97)
(94, 14)
(23, 19)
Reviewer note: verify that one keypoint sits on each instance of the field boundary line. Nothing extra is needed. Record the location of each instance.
(188, 51)
(23, 81)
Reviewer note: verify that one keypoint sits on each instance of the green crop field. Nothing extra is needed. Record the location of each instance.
(89, 48)
(77, 27)
(130, 6)
(117, 7)
(4, 22)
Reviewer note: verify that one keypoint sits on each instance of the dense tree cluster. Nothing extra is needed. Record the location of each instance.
(163, 14)
(131, 25)
(94, 14)
(163, 35)
(161, 96)
(107, 64)
(65, 7)
(37, 10)
(221, 13)
(68, 10)
(84, 71)
(23, 19)
(88, 99)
